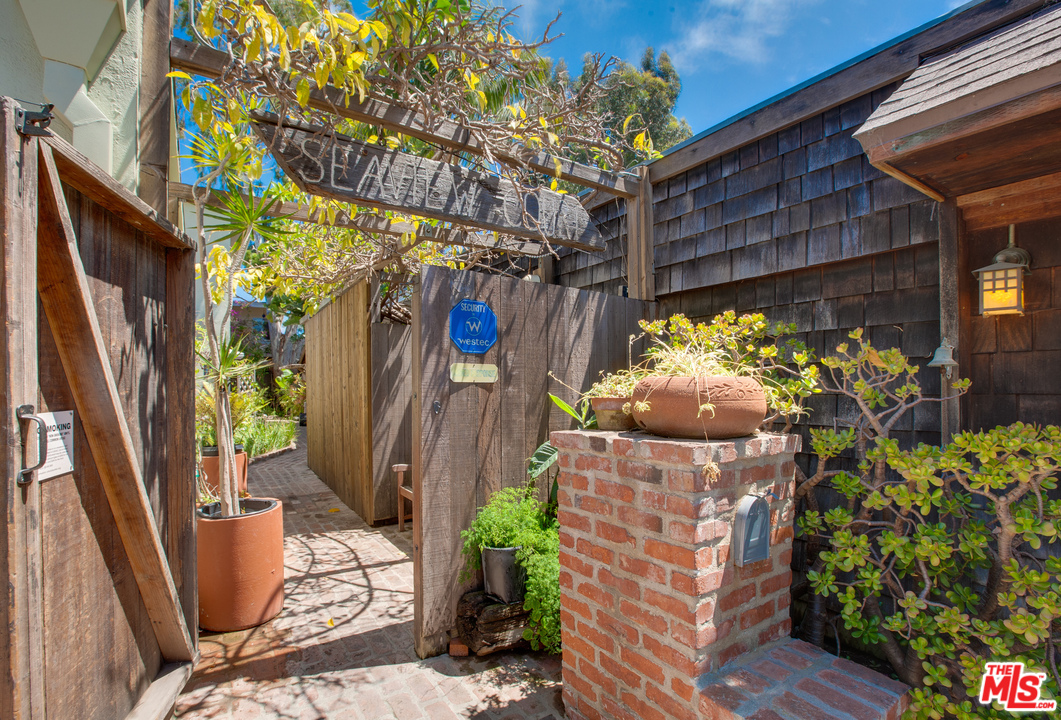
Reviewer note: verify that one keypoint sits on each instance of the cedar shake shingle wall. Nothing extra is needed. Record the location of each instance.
(802, 197)
(798, 226)
(1014, 361)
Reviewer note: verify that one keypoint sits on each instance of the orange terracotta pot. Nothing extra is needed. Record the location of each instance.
(211, 471)
(674, 402)
(240, 565)
(610, 415)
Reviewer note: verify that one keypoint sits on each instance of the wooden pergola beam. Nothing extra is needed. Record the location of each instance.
(198, 59)
(372, 223)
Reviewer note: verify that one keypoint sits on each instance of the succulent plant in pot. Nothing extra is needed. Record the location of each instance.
(610, 399)
(722, 379)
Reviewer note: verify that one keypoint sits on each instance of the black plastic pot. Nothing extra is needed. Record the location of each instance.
(503, 577)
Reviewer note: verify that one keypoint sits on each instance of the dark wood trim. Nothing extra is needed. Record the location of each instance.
(68, 305)
(21, 595)
(1034, 199)
(155, 103)
(78, 171)
(886, 66)
(949, 313)
(180, 429)
(209, 62)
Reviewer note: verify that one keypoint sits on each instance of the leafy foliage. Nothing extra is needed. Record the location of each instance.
(513, 517)
(262, 435)
(291, 392)
(619, 384)
(641, 100)
(938, 554)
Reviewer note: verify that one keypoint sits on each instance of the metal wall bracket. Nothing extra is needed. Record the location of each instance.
(25, 412)
(29, 122)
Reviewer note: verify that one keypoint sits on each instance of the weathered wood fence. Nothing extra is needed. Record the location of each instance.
(473, 439)
(358, 403)
(99, 604)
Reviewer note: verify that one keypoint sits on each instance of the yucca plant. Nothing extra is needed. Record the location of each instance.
(227, 156)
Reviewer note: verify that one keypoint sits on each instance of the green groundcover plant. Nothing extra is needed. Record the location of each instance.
(937, 555)
(514, 517)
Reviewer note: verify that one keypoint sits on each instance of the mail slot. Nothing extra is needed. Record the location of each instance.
(751, 531)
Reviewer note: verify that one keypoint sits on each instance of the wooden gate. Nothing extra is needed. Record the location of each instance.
(470, 440)
(98, 320)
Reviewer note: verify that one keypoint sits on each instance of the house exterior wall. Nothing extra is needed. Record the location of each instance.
(800, 227)
(85, 59)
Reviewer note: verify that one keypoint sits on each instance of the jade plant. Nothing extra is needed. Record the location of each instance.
(514, 517)
(935, 554)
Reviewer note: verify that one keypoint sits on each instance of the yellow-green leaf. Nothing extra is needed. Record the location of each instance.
(179, 74)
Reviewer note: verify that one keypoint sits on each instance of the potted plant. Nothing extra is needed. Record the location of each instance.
(720, 380)
(610, 399)
(515, 541)
(240, 541)
(243, 405)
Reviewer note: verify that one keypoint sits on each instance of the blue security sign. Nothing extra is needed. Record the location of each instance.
(473, 326)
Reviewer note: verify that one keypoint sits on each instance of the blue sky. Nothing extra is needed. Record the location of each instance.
(731, 54)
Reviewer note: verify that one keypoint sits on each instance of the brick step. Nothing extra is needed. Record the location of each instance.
(793, 680)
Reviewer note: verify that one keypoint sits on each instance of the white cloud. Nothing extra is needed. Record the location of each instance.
(740, 30)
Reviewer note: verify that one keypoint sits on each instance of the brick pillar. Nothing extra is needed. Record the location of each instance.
(651, 599)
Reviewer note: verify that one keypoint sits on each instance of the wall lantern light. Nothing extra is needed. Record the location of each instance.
(1002, 283)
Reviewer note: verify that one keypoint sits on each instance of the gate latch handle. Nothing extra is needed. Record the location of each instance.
(25, 412)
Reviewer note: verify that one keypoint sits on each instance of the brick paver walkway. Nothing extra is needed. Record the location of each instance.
(343, 646)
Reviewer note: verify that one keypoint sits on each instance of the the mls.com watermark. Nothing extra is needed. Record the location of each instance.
(1017, 690)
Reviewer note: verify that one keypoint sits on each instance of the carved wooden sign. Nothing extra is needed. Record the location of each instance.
(345, 169)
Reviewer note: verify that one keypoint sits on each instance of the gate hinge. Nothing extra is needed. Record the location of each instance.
(29, 122)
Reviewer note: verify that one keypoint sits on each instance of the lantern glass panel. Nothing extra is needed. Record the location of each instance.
(1001, 290)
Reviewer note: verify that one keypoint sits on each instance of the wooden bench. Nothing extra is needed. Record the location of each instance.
(404, 493)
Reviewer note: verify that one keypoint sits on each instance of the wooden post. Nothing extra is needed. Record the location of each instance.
(180, 422)
(640, 246)
(71, 314)
(21, 597)
(155, 104)
(949, 314)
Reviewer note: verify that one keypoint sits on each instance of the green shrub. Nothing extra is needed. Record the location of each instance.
(513, 517)
(261, 435)
(937, 554)
(291, 393)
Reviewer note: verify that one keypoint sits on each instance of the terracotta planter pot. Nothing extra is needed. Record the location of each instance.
(739, 406)
(241, 565)
(211, 470)
(610, 415)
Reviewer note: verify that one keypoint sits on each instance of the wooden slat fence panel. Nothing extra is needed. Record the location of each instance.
(480, 436)
(338, 398)
(392, 419)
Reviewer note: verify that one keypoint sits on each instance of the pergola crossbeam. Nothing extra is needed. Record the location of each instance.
(372, 223)
(209, 62)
